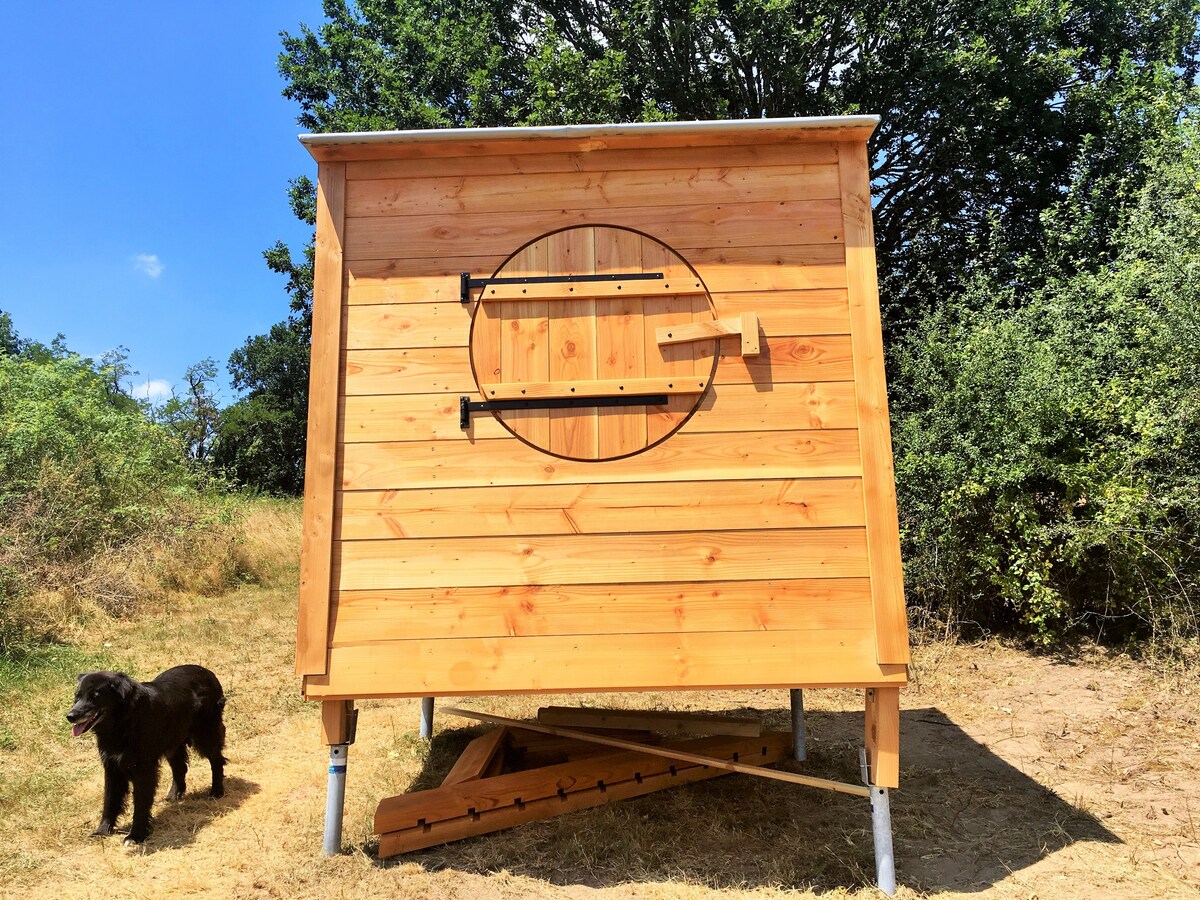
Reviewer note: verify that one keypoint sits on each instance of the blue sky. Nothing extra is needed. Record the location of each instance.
(144, 161)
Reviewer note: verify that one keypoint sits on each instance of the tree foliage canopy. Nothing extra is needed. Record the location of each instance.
(1048, 440)
(984, 105)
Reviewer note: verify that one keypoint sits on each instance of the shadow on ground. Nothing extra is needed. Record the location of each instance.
(176, 823)
(963, 820)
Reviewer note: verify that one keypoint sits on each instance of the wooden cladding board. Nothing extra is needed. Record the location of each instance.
(462, 666)
(806, 604)
(727, 538)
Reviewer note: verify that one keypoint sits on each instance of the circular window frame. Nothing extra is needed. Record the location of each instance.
(699, 397)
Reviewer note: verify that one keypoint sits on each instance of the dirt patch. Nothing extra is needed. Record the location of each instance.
(1022, 776)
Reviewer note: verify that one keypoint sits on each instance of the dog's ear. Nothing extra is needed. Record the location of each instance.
(124, 686)
(80, 677)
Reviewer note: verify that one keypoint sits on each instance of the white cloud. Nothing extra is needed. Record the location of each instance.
(149, 264)
(155, 390)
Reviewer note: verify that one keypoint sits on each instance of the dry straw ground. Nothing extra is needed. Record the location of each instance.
(1022, 777)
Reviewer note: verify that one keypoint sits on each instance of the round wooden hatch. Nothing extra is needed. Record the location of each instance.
(581, 344)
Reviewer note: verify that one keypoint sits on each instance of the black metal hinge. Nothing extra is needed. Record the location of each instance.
(466, 405)
(466, 282)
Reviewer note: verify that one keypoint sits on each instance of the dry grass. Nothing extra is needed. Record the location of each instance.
(198, 547)
(1023, 777)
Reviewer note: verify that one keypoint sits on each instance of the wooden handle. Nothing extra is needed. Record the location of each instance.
(745, 325)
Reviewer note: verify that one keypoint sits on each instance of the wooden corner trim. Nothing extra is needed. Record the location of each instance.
(866, 337)
(320, 466)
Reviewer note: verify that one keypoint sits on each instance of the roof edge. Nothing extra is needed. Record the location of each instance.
(864, 124)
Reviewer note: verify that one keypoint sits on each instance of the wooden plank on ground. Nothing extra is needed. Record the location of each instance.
(667, 752)
(879, 480)
(657, 720)
(648, 775)
(320, 468)
(600, 559)
(479, 757)
(529, 744)
(815, 604)
(686, 457)
(671, 661)
(482, 795)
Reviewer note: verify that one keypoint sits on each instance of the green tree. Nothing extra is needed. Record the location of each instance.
(262, 436)
(193, 418)
(10, 343)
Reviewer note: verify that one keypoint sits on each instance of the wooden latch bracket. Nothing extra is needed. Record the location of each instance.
(745, 325)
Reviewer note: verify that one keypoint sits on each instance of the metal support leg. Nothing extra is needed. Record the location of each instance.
(881, 826)
(427, 717)
(799, 745)
(335, 800)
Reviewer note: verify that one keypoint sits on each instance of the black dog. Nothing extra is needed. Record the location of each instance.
(137, 724)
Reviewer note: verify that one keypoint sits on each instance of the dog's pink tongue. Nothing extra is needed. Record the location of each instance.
(77, 730)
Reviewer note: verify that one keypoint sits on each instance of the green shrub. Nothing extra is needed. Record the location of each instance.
(80, 466)
(1048, 439)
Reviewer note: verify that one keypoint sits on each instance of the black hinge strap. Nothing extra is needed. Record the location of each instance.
(466, 405)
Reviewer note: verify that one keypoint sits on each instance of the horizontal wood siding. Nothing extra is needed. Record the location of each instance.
(601, 508)
(598, 559)
(681, 227)
(692, 661)
(526, 610)
(685, 457)
(736, 552)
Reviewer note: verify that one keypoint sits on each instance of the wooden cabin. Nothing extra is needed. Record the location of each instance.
(600, 408)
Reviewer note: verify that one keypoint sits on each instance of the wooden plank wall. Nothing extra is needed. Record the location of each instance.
(737, 552)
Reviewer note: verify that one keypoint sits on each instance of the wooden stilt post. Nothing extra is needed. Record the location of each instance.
(882, 743)
(339, 720)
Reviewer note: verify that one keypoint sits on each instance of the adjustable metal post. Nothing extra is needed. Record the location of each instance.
(335, 799)
(881, 830)
(799, 742)
(427, 717)
(881, 827)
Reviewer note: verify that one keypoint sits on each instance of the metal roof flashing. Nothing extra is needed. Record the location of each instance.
(344, 145)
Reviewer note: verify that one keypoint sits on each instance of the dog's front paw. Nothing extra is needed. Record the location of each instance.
(132, 838)
(104, 829)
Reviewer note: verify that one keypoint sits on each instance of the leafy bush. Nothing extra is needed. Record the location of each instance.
(80, 465)
(100, 511)
(1048, 439)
